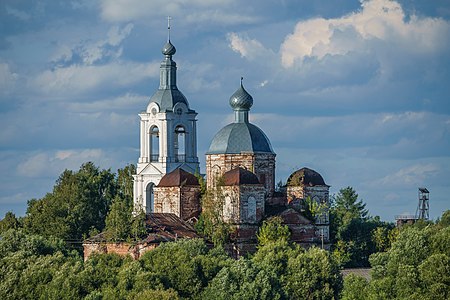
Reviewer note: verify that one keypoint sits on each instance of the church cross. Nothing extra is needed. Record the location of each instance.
(168, 27)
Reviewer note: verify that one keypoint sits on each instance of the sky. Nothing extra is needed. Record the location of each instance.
(356, 90)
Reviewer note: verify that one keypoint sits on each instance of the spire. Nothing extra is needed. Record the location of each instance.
(168, 69)
(168, 28)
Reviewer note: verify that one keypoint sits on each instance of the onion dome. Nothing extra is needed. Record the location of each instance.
(241, 99)
(178, 177)
(305, 177)
(168, 49)
(240, 136)
(238, 176)
(168, 95)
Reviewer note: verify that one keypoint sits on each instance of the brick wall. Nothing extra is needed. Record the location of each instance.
(181, 201)
(262, 164)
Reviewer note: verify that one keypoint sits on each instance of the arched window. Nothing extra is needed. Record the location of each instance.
(180, 141)
(251, 209)
(228, 208)
(154, 144)
(149, 198)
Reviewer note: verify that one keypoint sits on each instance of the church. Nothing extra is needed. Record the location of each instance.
(240, 170)
(240, 158)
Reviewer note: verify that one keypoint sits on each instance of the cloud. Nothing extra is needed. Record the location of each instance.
(44, 164)
(90, 53)
(411, 176)
(8, 78)
(193, 12)
(120, 103)
(248, 48)
(78, 79)
(381, 26)
(383, 135)
(19, 14)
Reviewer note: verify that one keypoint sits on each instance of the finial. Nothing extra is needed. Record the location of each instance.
(242, 78)
(168, 28)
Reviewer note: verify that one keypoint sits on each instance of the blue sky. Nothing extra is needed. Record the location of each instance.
(358, 91)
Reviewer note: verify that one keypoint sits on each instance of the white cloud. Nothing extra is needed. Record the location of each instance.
(220, 17)
(94, 52)
(383, 134)
(114, 104)
(248, 48)
(411, 176)
(380, 24)
(54, 162)
(193, 12)
(76, 79)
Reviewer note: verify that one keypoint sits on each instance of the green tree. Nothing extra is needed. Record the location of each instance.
(29, 264)
(312, 274)
(79, 202)
(242, 280)
(416, 266)
(346, 207)
(353, 233)
(138, 229)
(211, 223)
(118, 220)
(9, 222)
(444, 221)
(272, 230)
(185, 265)
(354, 288)
(312, 209)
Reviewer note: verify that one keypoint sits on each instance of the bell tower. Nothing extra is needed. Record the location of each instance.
(168, 134)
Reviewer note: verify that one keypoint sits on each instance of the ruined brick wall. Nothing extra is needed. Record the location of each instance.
(102, 247)
(181, 201)
(319, 194)
(252, 193)
(230, 200)
(89, 248)
(262, 164)
(190, 202)
(301, 233)
(236, 206)
(122, 249)
(167, 200)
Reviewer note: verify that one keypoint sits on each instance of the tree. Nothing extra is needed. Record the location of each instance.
(312, 274)
(346, 206)
(444, 221)
(353, 233)
(79, 201)
(354, 288)
(243, 280)
(138, 228)
(211, 223)
(272, 230)
(9, 222)
(118, 220)
(416, 266)
(185, 265)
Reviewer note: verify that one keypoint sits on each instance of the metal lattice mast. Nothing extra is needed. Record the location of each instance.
(423, 208)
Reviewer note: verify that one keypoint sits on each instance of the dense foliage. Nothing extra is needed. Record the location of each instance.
(417, 266)
(38, 260)
(33, 267)
(354, 234)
